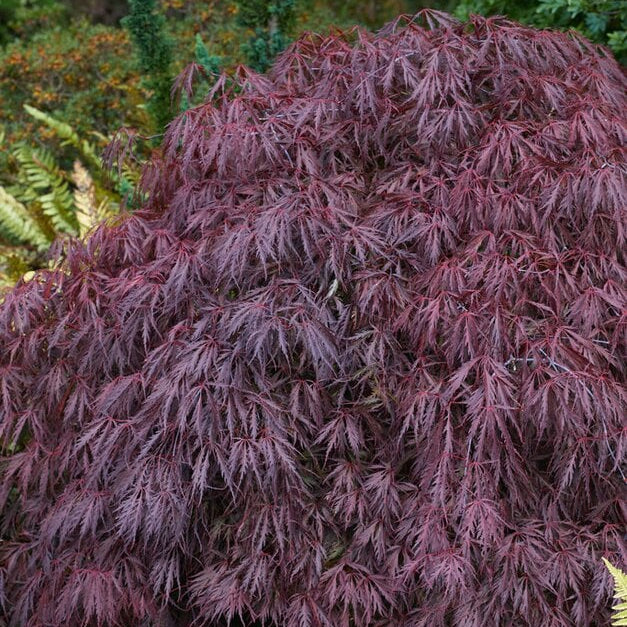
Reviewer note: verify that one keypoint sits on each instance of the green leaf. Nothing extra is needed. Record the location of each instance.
(619, 619)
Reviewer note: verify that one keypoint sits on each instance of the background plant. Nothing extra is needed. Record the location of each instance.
(44, 201)
(79, 74)
(619, 617)
(147, 29)
(270, 22)
(22, 18)
(355, 362)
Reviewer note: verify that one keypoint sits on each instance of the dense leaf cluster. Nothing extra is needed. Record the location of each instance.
(602, 21)
(269, 22)
(356, 362)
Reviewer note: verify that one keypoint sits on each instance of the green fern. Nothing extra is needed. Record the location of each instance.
(17, 225)
(88, 152)
(67, 134)
(42, 181)
(41, 201)
(620, 593)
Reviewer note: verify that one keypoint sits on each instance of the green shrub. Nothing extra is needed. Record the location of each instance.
(22, 18)
(270, 22)
(153, 47)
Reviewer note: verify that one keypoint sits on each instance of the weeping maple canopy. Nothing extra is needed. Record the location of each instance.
(356, 362)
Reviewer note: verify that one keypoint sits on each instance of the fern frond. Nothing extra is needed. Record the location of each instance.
(40, 172)
(89, 210)
(84, 198)
(619, 619)
(131, 175)
(125, 181)
(67, 134)
(107, 209)
(17, 225)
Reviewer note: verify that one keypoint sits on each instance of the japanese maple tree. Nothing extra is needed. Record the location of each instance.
(356, 362)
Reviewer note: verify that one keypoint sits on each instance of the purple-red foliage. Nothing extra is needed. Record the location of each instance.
(356, 363)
